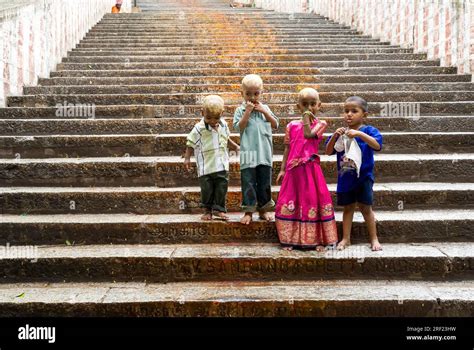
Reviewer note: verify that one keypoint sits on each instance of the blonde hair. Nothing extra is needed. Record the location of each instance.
(213, 104)
(252, 80)
(306, 92)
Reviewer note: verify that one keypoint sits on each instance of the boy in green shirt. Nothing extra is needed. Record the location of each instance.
(255, 122)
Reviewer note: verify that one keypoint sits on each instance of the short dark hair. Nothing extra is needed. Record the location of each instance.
(359, 101)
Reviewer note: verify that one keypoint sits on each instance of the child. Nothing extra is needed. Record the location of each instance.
(255, 122)
(356, 176)
(210, 139)
(304, 212)
(117, 7)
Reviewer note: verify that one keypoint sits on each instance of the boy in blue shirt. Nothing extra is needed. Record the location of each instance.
(355, 181)
(255, 122)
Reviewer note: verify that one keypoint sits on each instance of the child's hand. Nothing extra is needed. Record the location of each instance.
(280, 176)
(187, 164)
(352, 133)
(340, 131)
(258, 107)
(249, 106)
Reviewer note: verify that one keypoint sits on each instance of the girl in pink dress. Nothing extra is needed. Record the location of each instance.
(304, 212)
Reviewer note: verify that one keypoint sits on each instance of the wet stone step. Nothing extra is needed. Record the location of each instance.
(402, 198)
(261, 70)
(72, 146)
(341, 298)
(235, 98)
(244, 64)
(268, 79)
(246, 57)
(150, 126)
(224, 262)
(228, 88)
(66, 109)
(217, 51)
(397, 226)
(170, 172)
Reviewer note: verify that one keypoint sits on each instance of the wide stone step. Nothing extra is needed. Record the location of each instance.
(204, 33)
(209, 16)
(337, 298)
(213, 20)
(396, 226)
(239, 261)
(149, 31)
(72, 146)
(244, 64)
(211, 42)
(181, 200)
(274, 25)
(66, 109)
(261, 70)
(227, 88)
(229, 46)
(110, 51)
(190, 37)
(268, 79)
(29, 127)
(170, 172)
(233, 98)
(258, 58)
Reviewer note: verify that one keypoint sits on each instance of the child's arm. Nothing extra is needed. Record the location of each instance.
(332, 141)
(187, 158)
(267, 114)
(372, 142)
(232, 145)
(282, 172)
(318, 129)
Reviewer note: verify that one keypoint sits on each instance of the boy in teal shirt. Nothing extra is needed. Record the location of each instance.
(255, 122)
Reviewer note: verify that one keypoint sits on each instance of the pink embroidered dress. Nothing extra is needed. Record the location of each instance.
(304, 213)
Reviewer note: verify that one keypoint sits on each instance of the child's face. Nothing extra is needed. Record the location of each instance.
(311, 103)
(212, 118)
(252, 93)
(353, 114)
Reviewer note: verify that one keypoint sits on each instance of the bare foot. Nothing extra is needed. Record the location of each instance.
(266, 216)
(221, 215)
(207, 216)
(343, 244)
(320, 248)
(246, 219)
(287, 248)
(375, 245)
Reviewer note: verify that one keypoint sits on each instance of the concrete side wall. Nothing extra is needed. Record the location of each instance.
(35, 35)
(442, 28)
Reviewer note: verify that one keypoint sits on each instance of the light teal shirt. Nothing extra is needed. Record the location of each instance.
(256, 145)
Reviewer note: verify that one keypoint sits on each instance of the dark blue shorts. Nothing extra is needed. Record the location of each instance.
(363, 193)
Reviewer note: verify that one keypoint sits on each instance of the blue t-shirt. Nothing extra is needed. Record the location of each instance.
(347, 179)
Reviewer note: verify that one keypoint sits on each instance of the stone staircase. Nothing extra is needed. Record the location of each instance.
(103, 200)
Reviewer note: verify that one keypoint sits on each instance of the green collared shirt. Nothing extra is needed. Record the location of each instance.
(256, 145)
